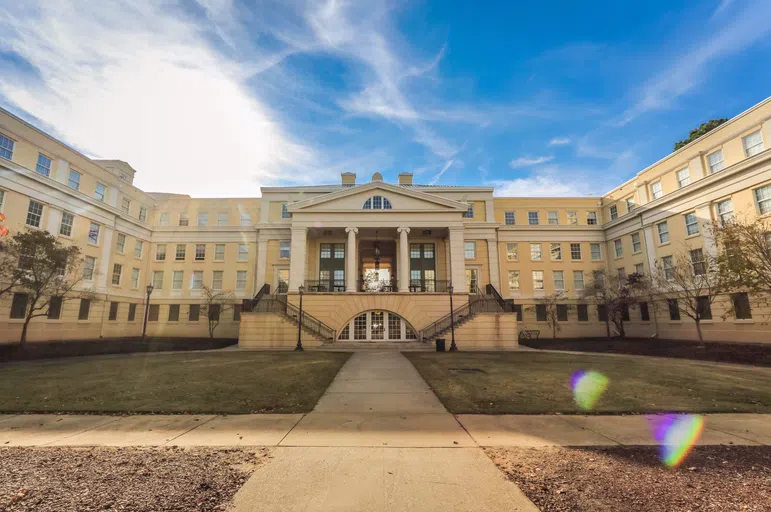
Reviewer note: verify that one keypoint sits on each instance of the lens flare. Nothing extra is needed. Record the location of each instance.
(676, 435)
(588, 387)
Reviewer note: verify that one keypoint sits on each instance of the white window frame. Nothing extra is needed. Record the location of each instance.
(70, 226)
(73, 179)
(223, 219)
(217, 279)
(538, 283)
(555, 247)
(598, 246)
(243, 252)
(117, 270)
(683, 177)
(613, 210)
(135, 278)
(470, 247)
(7, 146)
(755, 148)
(246, 219)
(578, 284)
(139, 247)
(177, 279)
(689, 226)
(575, 251)
(284, 249)
(663, 232)
(572, 217)
(512, 252)
(202, 256)
(239, 286)
(717, 165)
(591, 218)
(160, 250)
(532, 218)
(219, 252)
(509, 218)
(657, 190)
(120, 244)
(99, 195)
(163, 219)
(558, 278)
(142, 214)
(94, 228)
(158, 280)
(763, 203)
(180, 255)
(727, 213)
(553, 218)
(630, 206)
(514, 283)
(636, 243)
(536, 252)
(618, 247)
(196, 280)
(89, 268)
(184, 220)
(203, 219)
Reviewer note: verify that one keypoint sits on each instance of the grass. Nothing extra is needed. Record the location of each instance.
(209, 382)
(539, 383)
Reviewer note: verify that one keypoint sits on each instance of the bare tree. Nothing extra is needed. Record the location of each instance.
(216, 302)
(745, 258)
(47, 272)
(616, 295)
(551, 305)
(9, 266)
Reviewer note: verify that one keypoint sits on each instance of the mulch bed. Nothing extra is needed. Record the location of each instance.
(712, 478)
(125, 479)
(757, 354)
(76, 348)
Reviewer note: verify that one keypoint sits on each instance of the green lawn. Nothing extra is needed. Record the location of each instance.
(210, 382)
(537, 383)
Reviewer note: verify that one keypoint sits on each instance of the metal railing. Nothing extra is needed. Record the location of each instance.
(428, 286)
(384, 285)
(477, 303)
(311, 324)
(248, 304)
(507, 305)
(325, 285)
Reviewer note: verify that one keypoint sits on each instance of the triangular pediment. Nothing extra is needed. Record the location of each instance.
(401, 199)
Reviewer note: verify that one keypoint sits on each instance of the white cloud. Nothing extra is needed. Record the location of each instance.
(525, 161)
(559, 141)
(438, 176)
(546, 185)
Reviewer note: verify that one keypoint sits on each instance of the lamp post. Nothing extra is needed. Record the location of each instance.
(453, 346)
(299, 346)
(147, 309)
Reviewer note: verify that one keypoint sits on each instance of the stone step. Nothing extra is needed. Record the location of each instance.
(379, 345)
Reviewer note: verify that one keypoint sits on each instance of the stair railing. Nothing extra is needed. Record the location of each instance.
(250, 304)
(312, 325)
(477, 303)
(507, 306)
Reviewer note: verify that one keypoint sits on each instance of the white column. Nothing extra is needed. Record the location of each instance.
(704, 217)
(489, 211)
(104, 260)
(492, 253)
(447, 260)
(457, 259)
(297, 258)
(61, 171)
(642, 192)
(404, 260)
(54, 219)
(262, 263)
(350, 262)
(650, 249)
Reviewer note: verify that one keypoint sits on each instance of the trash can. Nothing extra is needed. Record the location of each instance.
(440, 344)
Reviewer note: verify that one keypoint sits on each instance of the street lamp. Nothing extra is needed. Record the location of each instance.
(453, 346)
(147, 309)
(299, 346)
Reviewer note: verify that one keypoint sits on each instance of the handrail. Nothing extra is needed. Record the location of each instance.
(477, 303)
(260, 294)
(506, 305)
(311, 324)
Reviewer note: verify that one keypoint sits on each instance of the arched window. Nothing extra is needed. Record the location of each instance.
(377, 203)
(377, 326)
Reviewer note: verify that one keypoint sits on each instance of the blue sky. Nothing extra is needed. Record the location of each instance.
(216, 98)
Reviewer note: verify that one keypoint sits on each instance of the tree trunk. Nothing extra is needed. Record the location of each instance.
(23, 340)
(607, 327)
(698, 329)
(554, 331)
(621, 331)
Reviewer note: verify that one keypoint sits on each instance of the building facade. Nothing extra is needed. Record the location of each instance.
(375, 260)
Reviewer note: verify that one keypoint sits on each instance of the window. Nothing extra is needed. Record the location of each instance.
(621, 274)
(556, 251)
(741, 303)
(120, 245)
(85, 309)
(602, 313)
(174, 313)
(698, 263)
(219, 252)
(591, 218)
(656, 190)
(135, 278)
(572, 218)
(143, 215)
(763, 198)
(532, 218)
(629, 204)
(139, 246)
(284, 212)
(326, 251)
(683, 177)
(575, 251)
(74, 180)
(639, 268)
(132, 312)
(125, 205)
(619, 248)
(578, 279)
(598, 277)
(117, 270)
(508, 218)
(243, 252)
(725, 211)
(222, 219)
(158, 280)
(89, 265)
(644, 313)
(583, 312)
(200, 252)
(100, 192)
(394, 327)
(160, 252)
(540, 312)
(55, 308)
(196, 283)
(562, 312)
(377, 203)
(669, 271)
(154, 312)
(2, 199)
(34, 214)
(428, 251)
(163, 220)
(559, 280)
(6, 147)
(537, 279)
(674, 309)
(241, 280)
(360, 327)
(284, 248)
(216, 280)
(703, 308)
(469, 211)
(636, 243)
(470, 250)
(512, 252)
(613, 212)
(691, 224)
(236, 312)
(65, 227)
(518, 311)
(553, 218)
(177, 278)
(513, 280)
(472, 279)
(214, 312)
(43, 165)
(246, 219)
(753, 143)
(194, 313)
(179, 254)
(19, 305)
(93, 233)
(183, 220)
(715, 161)
(535, 251)
(596, 250)
(113, 311)
(203, 219)
(663, 230)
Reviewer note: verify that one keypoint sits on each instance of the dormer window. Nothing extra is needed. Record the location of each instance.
(377, 203)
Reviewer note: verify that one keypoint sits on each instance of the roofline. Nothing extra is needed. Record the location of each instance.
(687, 146)
(549, 197)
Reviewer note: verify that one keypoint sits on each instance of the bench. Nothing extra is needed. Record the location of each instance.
(527, 334)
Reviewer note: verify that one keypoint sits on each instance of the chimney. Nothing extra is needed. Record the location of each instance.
(349, 178)
(405, 178)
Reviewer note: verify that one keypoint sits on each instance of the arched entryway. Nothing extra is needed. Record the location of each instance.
(377, 325)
